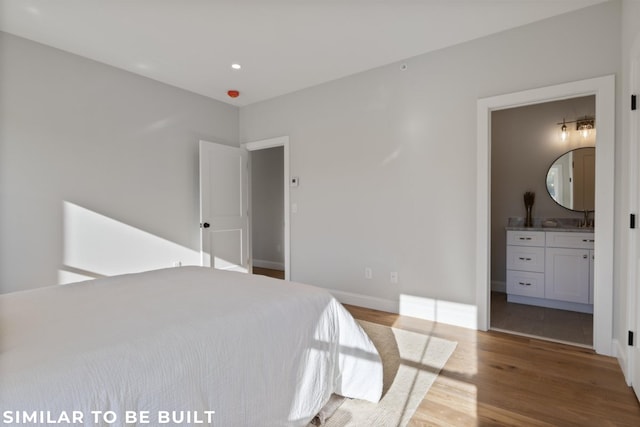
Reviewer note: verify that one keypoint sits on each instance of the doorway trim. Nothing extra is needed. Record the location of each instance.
(629, 356)
(281, 141)
(604, 90)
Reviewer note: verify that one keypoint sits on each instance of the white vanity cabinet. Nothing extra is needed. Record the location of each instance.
(551, 269)
(567, 266)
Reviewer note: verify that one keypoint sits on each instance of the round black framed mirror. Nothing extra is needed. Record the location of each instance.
(571, 179)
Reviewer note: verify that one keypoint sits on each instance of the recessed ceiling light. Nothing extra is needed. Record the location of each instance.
(236, 66)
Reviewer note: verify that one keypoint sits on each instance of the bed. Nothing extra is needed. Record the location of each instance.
(180, 346)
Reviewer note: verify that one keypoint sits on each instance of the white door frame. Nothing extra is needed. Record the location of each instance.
(282, 141)
(631, 366)
(604, 90)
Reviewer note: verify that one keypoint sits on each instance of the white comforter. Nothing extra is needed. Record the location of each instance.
(181, 346)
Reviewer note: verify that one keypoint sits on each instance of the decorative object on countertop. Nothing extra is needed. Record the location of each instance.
(529, 198)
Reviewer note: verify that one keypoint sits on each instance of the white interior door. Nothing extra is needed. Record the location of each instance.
(224, 207)
(635, 350)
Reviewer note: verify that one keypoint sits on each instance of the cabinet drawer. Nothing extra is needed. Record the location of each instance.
(525, 283)
(525, 258)
(525, 238)
(575, 240)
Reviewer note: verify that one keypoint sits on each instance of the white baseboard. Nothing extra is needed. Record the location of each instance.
(273, 265)
(498, 286)
(451, 313)
(366, 301)
(550, 303)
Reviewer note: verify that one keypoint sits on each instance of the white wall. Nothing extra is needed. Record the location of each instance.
(525, 141)
(98, 167)
(387, 159)
(267, 207)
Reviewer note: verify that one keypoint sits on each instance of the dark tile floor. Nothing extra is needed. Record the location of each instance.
(558, 325)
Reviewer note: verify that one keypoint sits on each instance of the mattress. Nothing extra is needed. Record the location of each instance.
(181, 346)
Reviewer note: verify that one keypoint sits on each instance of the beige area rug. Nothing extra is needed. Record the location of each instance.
(411, 363)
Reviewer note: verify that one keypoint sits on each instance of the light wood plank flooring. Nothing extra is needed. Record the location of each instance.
(496, 379)
(278, 274)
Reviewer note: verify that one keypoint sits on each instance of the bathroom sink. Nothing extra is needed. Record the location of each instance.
(568, 222)
(565, 223)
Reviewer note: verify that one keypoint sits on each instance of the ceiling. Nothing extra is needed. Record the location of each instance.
(282, 45)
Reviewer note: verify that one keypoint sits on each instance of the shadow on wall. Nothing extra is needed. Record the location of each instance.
(97, 246)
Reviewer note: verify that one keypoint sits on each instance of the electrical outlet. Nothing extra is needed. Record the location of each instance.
(368, 273)
(393, 277)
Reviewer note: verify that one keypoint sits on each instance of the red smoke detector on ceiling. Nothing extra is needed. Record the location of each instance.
(233, 93)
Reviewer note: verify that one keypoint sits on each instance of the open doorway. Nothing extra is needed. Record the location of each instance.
(267, 212)
(530, 153)
(270, 232)
(604, 90)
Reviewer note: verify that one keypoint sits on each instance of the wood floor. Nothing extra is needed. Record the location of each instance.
(278, 274)
(496, 379)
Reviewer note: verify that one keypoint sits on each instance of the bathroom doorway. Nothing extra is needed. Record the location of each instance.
(530, 153)
(604, 90)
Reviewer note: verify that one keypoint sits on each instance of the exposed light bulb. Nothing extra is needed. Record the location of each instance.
(564, 133)
(236, 66)
(585, 126)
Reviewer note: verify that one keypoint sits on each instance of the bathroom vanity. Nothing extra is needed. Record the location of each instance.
(551, 267)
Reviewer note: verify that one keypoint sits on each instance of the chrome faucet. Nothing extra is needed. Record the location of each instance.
(586, 222)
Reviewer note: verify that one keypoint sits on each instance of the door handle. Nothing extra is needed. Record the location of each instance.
(205, 225)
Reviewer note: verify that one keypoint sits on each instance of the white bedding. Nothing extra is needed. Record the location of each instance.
(257, 351)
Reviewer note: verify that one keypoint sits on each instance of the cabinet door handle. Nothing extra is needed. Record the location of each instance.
(585, 256)
(525, 238)
(588, 240)
(524, 284)
(524, 259)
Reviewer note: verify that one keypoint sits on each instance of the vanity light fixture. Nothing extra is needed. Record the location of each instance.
(584, 126)
(564, 133)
